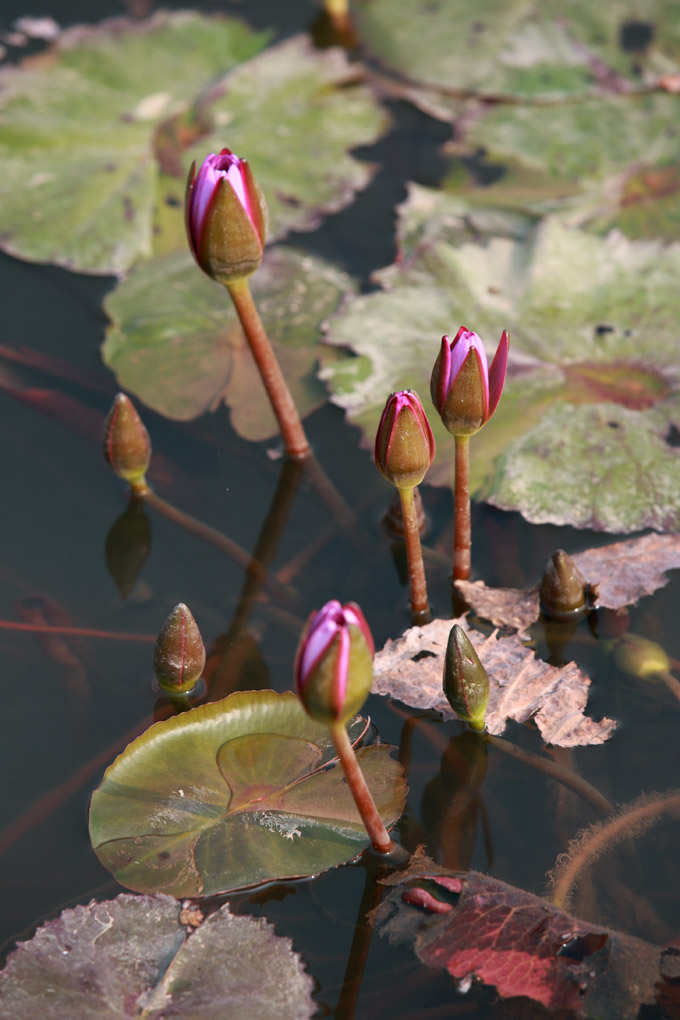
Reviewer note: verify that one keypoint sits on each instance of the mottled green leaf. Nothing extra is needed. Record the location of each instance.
(593, 325)
(508, 47)
(176, 343)
(135, 957)
(232, 794)
(79, 126)
(98, 137)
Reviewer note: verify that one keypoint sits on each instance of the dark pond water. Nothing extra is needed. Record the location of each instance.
(68, 705)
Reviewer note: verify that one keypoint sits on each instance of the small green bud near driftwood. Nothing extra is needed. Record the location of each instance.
(641, 658)
(563, 590)
(466, 683)
(179, 652)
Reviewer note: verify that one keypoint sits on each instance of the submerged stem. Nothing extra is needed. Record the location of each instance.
(280, 397)
(420, 608)
(461, 510)
(375, 828)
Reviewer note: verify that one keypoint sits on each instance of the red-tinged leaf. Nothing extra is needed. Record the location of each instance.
(475, 926)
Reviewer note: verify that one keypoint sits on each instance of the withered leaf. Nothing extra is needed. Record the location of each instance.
(622, 573)
(521, 685)
(476, 926)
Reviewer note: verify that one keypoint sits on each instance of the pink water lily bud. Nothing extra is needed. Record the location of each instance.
(334, 663)
(404, 444)
(464, 389)
(226, 217)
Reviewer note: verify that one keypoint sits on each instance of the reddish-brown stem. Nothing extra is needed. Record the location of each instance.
(420, 608)
(208, 534)
(377, 832)
(461, 510)
(280, 397)
(42, 628)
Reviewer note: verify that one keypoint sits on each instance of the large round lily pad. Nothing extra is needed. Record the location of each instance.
(135, 957)
(232, 794)
(176, 343)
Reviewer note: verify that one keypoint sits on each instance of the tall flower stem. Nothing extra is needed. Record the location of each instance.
(461, 510)
(377, 832)
(420, 608)
(280, 397)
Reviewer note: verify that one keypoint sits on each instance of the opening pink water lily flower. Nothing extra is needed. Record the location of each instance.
(464, 389)
(334, 662)
(226, 217)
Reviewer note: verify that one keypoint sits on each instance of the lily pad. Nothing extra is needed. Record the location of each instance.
(134, 956)
(593, 361)
(521, 685)
(233, 794)
(100, 133)
(511, 49)
(176, 343)
(79, 124)
(607, 161)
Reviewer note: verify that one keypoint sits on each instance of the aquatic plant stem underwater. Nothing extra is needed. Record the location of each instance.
(280, 397)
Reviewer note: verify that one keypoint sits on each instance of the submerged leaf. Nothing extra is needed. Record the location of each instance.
(232, 794)
(133, 957)
(176, 343)
(521, 685)
(475, 926)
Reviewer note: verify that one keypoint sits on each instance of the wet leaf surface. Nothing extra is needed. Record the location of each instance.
(101, 132)
(586, 389)
(233, 794)
(133, 957)
(521, 685)
(623, 573)
(176, 343)
(475, 926)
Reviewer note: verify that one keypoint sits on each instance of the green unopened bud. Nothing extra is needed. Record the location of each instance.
(466, 683)
(126, 442)
(563, 588)
(641, 658)
(179, 652)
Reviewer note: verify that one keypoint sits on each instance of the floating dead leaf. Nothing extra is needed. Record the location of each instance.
(622, 573)
(521, 685)
(476, 926)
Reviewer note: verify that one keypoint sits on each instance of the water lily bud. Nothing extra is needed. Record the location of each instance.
(334, 663)
(179, 652)
(563, 588)
(641, 658)
(126, 442)
(466, 684)
(226, 217)
(464, 389)
(404, 444)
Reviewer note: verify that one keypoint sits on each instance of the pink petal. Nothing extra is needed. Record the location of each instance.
(497, 372)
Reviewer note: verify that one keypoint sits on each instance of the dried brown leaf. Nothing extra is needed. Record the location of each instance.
(521, 685)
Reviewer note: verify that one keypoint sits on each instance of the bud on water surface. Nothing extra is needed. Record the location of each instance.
(125, 441)
(466, 683)
(563, 588)
(334, 663)
(179, 652)
(226, 217)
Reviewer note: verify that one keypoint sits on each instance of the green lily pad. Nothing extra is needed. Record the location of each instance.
(592, 323)
(99, 135)
(176, 343)
(604, 161)
(78, 181)
(135, 956)
(232, 794)
(510, 48)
